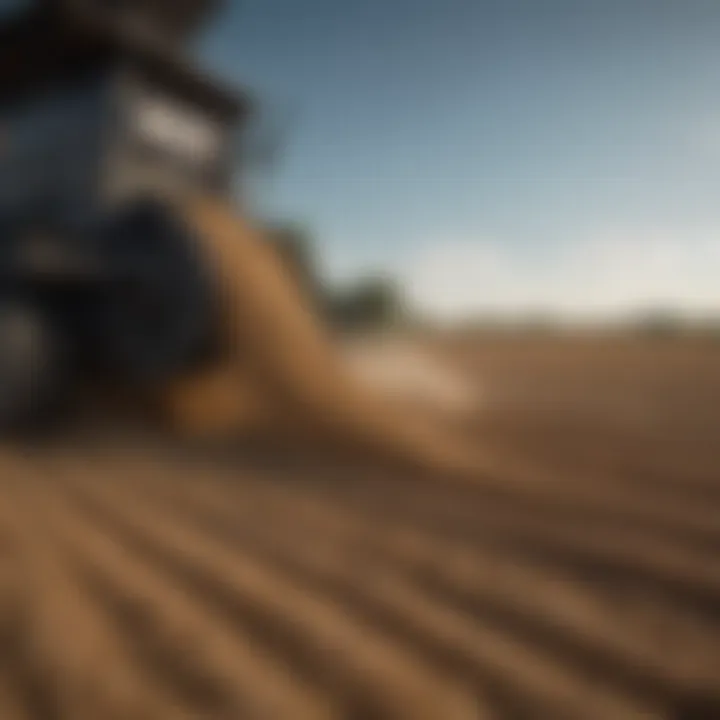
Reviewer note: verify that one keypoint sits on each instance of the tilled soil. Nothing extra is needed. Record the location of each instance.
(579, 578)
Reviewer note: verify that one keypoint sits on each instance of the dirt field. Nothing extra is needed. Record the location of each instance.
(578, 579)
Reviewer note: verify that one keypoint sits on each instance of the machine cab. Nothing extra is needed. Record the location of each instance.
(94, 112)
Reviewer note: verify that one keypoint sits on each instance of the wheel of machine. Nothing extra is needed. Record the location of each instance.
(32, 377)
(160, 307)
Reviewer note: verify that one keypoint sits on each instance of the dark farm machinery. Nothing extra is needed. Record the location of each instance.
(129, 268)
(106, 130)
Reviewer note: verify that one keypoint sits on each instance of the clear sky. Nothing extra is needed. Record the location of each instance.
(497, 153)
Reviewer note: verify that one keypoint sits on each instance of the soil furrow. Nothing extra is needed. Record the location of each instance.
(69, 663)
(379, 677)
(560, 614)
(486, 652)
(218, 671)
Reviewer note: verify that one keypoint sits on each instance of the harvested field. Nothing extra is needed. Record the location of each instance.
(577, 578)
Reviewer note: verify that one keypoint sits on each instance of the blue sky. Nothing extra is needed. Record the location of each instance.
(497, 154)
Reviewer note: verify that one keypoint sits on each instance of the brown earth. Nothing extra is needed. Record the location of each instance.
(577, 578)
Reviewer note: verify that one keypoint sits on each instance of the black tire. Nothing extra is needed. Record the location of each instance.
(160, 306)
(33, 380)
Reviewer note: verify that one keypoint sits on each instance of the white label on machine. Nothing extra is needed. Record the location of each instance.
(178, 129)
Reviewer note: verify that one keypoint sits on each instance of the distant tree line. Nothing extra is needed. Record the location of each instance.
(669, 324)
(376, 303)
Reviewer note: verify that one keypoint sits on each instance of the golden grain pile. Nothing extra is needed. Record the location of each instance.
(282, 374)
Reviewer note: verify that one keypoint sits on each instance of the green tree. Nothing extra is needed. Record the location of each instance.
(372, 303)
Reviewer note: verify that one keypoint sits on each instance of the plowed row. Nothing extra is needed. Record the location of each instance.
(579, 580)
